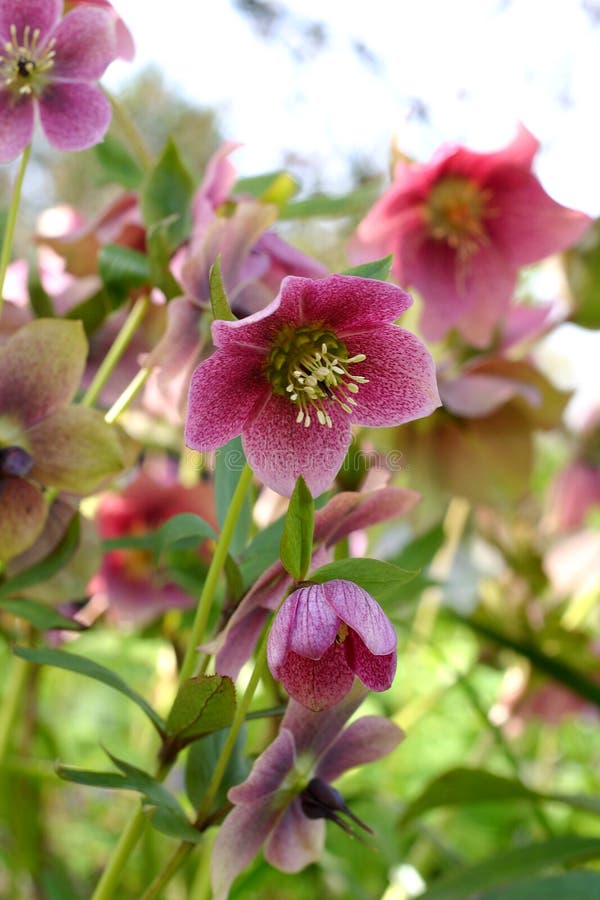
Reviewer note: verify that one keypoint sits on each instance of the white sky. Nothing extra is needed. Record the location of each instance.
(478, 65)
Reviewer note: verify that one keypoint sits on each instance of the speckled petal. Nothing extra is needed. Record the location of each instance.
(224, 391)
(296, 841)
(362, 613)
(402, 384)
(268, 771)
(74, 115)
(85, 44)
(22, 515)
(42, 14)
(305, 624)
(317, 684)
(366, 740)
(40, 368)
(375, 672)
(279, 449)
(16, 125)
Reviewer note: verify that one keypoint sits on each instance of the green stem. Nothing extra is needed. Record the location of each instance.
(11, 221)
(128, 396)
(109, 880)
(116, 351)
(163, 878)
(214, 572)
(130, 131)
(12, 702)
(238, 720)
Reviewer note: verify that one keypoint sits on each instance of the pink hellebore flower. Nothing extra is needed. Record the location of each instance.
(294, 377)
(125, 44)
(324, 635)
(53, 63)
(286, 797)
(461, 226)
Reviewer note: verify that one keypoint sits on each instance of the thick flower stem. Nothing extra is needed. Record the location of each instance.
(116, 351)
(163, 877)
(214, 572)
(12, 703)
(11, 221)
(128, 396)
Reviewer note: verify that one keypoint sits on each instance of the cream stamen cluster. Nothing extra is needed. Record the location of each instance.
(21, 63)
(309, 365)
(456, 210)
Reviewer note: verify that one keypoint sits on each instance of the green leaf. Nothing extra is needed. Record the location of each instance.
(419, 552)
(93, 311)
(203, 704)
(40, 616)
(298, 529)
(167, 192)
(202, 759)
(173, 825)
(323, 205)
(48, 567)
(122, 270)
(218, 296)
(582, 268)
(379, 269)
(182, 531)
(382, 580)
(261, 552)
(118, 164)
(468, 882)
(229, 464)
(159, 251)
(273, 187)
(47, 656)
(572, 886)
(40, 301)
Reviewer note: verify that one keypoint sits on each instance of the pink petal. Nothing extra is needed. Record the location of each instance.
(268, 771)
(362, 613)
(224, 391)
(180, 343)
(305, 624)
(279, 449)
(16, 125)
(219, 178)
(348, 512)
(366, 740)
(401, 377)
(74, 116)
(317, 684)
(375, 672)
(40, 368)
(238, 841)
(257, 331)
(527, 224)
(476, 395)
(348, 304)
(85, 44)
(315, 731)
(239, 642)
(296, 841)
(42, 14)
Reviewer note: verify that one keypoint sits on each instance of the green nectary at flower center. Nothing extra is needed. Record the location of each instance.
(23, 65)
(455, 210)
(309, 365)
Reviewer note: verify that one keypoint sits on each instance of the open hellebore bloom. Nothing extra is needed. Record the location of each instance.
(461, 226)
(294, 377)
(53, 63)
(324, 635)
(45, 442)
(287, 796)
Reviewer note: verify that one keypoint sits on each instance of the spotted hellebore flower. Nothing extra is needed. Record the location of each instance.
(461, 226)
(52, 63)
(324, 635)
(45, 442)
(294, 377)
(285, 799)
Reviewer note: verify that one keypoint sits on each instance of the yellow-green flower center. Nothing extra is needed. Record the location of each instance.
(23, 64)
(455, 211)
(309, 365)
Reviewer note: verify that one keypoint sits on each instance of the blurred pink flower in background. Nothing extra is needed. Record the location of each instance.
(460, 228)
(53, 63)
(129, 581)
(125, 44)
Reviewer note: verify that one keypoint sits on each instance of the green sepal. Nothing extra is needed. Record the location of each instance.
(379, 269)
(296, 544)
(218, 296)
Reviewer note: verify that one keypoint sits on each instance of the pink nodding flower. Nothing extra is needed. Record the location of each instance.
(294, 377)
(461, 226)
(53, 63)
(324, 635)
(283, 804)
